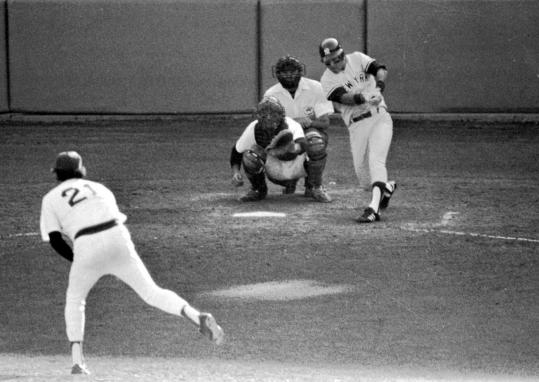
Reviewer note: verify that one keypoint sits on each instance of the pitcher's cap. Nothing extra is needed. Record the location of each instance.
(68, 161)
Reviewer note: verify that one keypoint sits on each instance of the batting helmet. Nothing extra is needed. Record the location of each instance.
(288, 70)
(329, 49)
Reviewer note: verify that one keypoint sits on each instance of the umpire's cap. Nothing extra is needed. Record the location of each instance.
(69, 161)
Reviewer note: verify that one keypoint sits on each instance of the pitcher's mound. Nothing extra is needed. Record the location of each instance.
(281, 290)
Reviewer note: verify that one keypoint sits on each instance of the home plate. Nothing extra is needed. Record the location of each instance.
(259, 214)
(281, 290)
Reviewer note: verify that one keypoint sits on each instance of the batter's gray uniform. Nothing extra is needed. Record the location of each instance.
(354, 82)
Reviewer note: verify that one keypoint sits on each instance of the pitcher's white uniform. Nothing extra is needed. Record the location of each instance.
(370, 135)
(308, 101)
(76, 204)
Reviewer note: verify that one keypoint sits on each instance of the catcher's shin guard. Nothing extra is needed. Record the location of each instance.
(258, 181)
(316, 144)
(254, 160)
(315, 170)
(259, 188)
(316, 152)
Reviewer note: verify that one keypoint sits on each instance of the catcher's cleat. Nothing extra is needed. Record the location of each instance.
(210, 329)
(369, 216)
(80, 369)
(290, 188)
(386, 195)
(308, 192)
(254, 195)
(320, 195)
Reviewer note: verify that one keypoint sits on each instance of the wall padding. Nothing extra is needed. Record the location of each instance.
(4, 100)
(133, 56)
(451, 55)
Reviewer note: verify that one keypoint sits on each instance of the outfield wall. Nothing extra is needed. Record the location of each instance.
(215, 56)
(125, 56)
(458, 56)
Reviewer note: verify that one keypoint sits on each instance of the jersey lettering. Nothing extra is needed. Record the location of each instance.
(73, 194)
(359, 79)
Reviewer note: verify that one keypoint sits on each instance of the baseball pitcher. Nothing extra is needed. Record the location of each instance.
(86, 213)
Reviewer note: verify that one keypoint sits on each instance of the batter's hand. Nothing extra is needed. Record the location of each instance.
(373, 98)
(237, 179)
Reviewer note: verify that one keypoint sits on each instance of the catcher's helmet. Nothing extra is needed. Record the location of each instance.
(270, 113)
(330, 48)
(288, 70)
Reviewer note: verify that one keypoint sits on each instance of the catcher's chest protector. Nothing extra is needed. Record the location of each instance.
(263, 137)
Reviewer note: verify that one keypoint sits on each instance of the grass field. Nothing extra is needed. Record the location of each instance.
(444, 288)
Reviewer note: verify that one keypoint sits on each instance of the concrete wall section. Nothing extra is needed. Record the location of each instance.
(133, 56)
(466, 56)
(297, 28)
(4, 83)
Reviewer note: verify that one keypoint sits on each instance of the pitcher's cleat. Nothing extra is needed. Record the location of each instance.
(369, 216)
(80, 369)
(210, 329)
(386, 194)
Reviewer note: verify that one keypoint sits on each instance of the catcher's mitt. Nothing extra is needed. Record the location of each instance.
(282, 145)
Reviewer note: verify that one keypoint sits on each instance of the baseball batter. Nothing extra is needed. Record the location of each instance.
(305, 102)
(355, 82)
(86, 213)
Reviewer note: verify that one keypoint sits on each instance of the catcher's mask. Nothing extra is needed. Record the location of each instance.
(270, 113)
(331, 51)
(288, 70)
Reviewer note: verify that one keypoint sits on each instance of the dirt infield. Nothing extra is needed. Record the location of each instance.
(112, 369)
(444, 288)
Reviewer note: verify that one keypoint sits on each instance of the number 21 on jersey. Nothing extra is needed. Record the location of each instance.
(76, 195)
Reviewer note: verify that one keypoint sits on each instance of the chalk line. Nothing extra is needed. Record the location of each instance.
(259, 214)
(19, 235)
(472, 234)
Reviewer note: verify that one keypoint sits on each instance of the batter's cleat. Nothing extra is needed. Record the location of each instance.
(386, 195)
(80, 369)
(369, 216)
(308, 192)
(320, 195)
(210, 329)
(254, 195)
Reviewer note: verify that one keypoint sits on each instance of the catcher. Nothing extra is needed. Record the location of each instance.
(272, 146)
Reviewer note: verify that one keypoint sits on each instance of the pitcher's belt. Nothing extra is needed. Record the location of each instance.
(362, 116)
(97, 228)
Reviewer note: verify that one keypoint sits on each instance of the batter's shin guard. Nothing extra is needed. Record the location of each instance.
(380, 185)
